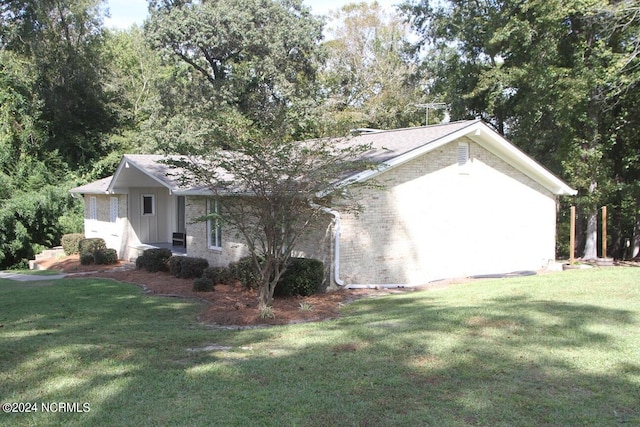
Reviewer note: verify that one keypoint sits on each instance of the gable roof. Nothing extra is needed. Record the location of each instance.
(150, 166)
(396, 147)
(389, 149)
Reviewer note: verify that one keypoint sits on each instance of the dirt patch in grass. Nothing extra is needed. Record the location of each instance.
(227, 305)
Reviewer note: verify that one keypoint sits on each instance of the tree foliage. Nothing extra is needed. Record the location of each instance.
(61, 40)
(53, 117)
(255, 56)
(370, 77)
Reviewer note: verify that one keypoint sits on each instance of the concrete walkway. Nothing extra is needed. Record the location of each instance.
(29, 277)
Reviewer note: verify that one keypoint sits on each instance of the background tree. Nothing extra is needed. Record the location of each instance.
(54, 115)
(61, 40)
(255, 56)
(370, 76)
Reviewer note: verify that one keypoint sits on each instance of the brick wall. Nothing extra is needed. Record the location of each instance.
(435, 220)
(233, 248)
(316, 243)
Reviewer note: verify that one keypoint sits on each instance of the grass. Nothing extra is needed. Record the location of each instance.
(36, 272)
(561, 349)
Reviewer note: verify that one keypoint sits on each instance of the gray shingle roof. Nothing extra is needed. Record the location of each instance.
(96, 187)
(388, 144)
(390, 147)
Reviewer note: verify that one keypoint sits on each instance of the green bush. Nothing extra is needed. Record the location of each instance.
(87, 258)
(175, 265)
(154, 260)
(106, 256)
(191, 267)
(202, 284)
(30, 219)
(91, 245)
(244, 270)
(70, 243)
(218, 275)
(303, 276)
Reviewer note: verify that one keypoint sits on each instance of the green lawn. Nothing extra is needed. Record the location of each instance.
(558, 349)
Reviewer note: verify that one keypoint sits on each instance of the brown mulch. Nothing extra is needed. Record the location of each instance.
(227, 305)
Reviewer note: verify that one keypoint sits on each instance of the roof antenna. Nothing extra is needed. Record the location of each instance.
(433, 106)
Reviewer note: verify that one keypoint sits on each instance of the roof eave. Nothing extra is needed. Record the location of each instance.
(489, 139)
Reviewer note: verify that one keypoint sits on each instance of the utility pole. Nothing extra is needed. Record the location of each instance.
(432, 105)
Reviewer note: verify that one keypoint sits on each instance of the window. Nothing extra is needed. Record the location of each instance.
(93, 208)
(113, 210)
(214, 229)
(148, 204)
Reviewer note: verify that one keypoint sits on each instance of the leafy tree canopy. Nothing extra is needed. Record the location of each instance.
(256, 56)
(370, 76)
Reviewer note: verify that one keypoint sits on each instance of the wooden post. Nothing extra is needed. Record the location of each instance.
(604, 232)
(572, 236)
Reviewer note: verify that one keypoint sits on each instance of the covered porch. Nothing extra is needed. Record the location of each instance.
(136, 250)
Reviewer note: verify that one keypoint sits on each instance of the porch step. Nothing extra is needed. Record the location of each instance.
(56, 252)
(50, 253)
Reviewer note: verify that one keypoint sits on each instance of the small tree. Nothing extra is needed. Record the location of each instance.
(272, 191)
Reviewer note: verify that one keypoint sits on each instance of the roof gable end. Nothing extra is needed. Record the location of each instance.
(479, 132)
(149, 165)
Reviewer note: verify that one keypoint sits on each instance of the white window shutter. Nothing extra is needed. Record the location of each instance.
(113, 209)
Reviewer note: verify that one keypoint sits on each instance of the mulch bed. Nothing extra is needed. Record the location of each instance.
(227, 305)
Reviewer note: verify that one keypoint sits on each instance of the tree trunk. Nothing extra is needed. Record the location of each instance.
(634, 249)
(591, 241)
(265, 297)
(271, 273)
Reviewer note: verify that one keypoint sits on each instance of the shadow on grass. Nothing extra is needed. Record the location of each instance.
(410, 360)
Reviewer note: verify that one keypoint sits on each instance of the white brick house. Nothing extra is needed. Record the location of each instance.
(456, 200)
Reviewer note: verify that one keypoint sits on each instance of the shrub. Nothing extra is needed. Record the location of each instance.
(175, 265)
(191, 267)
(106, 256)
(303, 276)
(202, 284)
(154, 260)
(70, 243)
(244, 271)
(91, 245)
(218, 275)
(87, 258)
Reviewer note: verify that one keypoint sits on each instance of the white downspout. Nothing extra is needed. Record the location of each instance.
(336, 256)
(336, 241)
(336, 247)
